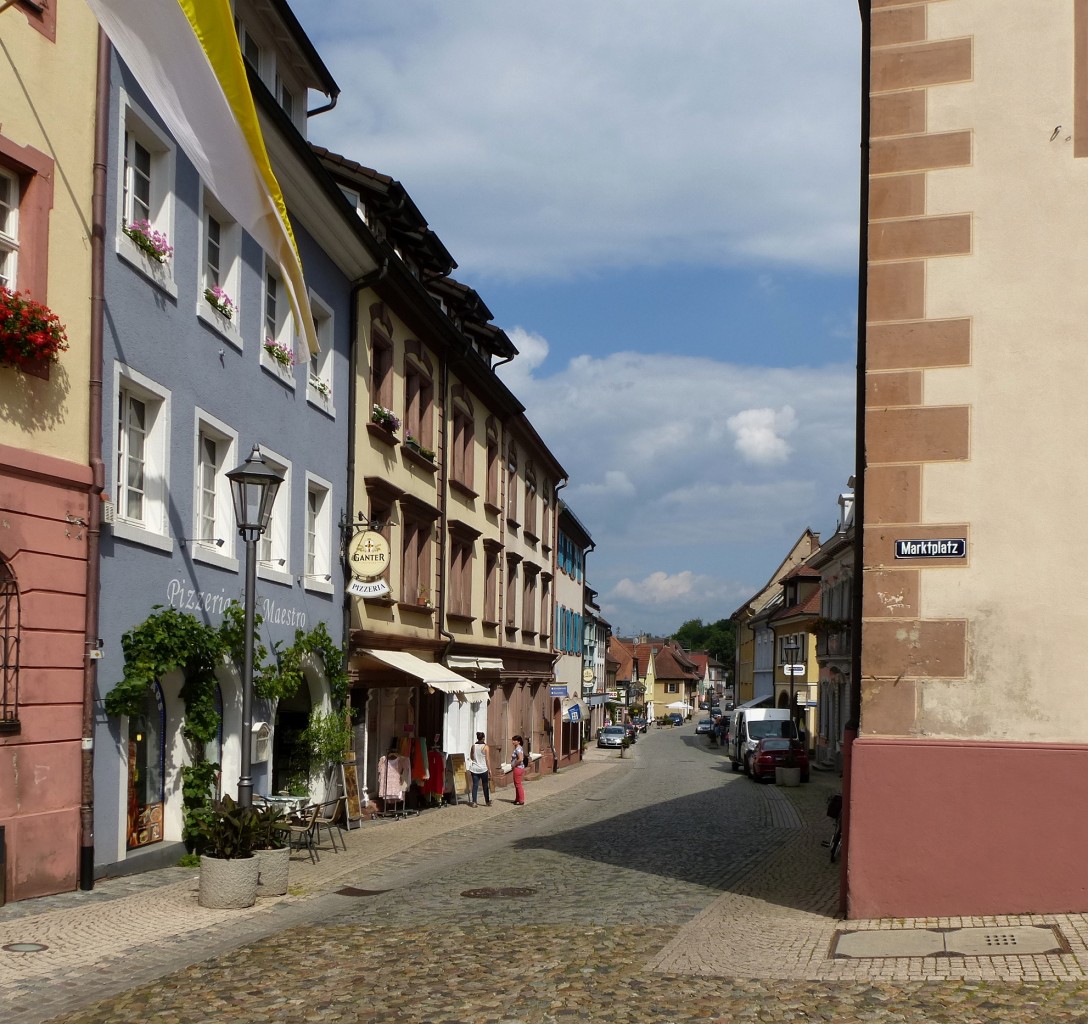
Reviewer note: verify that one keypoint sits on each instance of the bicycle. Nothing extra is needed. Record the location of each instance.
(834, 810)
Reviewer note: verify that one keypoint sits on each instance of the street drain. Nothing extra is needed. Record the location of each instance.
(1017, 940)
(24, 947)
(350, 890)
(498, 894)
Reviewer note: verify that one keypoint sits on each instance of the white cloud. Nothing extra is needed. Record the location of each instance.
(550, 138)
(760, 434)
(650, 444)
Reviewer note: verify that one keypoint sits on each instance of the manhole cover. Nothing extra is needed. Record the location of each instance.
(497, 894)
(1017, 940)
(24, 947)
(350, 890)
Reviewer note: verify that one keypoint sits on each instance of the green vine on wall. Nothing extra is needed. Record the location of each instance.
(169, 640)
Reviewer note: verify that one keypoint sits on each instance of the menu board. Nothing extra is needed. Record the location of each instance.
(349, 779)
(455, 767)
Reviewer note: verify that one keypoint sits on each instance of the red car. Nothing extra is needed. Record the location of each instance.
(772, 752)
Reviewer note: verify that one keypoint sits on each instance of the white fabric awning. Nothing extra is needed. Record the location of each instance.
(479, 664)
(431, 673)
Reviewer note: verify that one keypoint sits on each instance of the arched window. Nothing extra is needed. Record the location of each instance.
(9, 637)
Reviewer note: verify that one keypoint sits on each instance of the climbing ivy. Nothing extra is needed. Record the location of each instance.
(169, 640)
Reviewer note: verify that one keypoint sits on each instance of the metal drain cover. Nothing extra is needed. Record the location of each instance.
(350, 890)
(24, 947)
(1016, 940)
(498, 894)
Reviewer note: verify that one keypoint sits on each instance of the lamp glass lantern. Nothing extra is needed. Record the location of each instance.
(253, 486)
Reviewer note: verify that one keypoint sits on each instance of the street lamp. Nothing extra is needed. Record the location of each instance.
(253, 485)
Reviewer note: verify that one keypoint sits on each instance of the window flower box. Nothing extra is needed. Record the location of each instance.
(31, 334)
(279, 352)
(152, 243)
(220, 301)
(385, 418)
(427, 453)
(321, 386)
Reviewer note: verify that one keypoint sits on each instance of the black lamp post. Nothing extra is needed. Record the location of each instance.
(253, 485)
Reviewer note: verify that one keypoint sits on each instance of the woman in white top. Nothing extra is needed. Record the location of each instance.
(479, 758)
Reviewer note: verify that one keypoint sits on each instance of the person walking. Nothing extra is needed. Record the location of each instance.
(479, 767)
(518, 763)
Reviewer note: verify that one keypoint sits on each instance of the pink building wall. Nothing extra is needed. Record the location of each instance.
(43, 504)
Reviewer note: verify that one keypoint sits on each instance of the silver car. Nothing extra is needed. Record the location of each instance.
(611, 736)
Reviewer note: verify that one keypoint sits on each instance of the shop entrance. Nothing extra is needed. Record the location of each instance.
(290, 758)
(146, 764)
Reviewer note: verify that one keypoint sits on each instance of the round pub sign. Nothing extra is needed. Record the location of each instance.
(368, 554)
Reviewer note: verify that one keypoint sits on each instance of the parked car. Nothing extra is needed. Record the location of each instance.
(705, 725)
(611, 736)
(640, 723)
(773, 752)
(676, 718)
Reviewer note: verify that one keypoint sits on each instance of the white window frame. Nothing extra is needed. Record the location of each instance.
(276, 323)
(275, 544)
(317, 547)
(230, 269)
(152, 530)
(203, 545)
(321, 366)
(136, 124)
(9, 240)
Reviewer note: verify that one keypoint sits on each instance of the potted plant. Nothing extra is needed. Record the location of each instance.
(150, 242)
(385, 418)
(220, 301)
(226, 835)
(279, 352)
(273, 851)
(30, 332)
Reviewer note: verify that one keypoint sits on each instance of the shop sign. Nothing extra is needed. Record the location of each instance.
(368, 588)
(368, 555)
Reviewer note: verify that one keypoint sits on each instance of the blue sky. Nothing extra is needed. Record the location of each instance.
(659, 203)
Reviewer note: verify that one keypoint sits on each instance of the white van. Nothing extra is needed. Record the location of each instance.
(750, 725)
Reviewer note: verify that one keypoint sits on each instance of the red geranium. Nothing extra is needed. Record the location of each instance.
(29, 330)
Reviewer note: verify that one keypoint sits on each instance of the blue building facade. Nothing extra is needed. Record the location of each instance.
(201, 362)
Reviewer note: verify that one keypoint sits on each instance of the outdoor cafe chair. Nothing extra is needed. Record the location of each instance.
(303, 830)
(328, 818)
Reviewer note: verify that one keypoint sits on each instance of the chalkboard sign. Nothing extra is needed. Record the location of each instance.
(455, 766)
(349, 780)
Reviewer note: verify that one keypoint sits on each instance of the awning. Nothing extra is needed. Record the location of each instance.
(477, 664)
(432, 674)
(597, 700)
(581, 714)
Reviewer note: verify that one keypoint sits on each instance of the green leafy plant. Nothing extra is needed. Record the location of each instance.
(225, 830)
(327, 737)
(273, 829)
(220, 301)
(385, 418)
(279, 352)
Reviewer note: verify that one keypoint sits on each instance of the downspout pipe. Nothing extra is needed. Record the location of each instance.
(94, 459)
(853, 727)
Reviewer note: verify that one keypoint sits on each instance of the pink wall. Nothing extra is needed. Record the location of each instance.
(40, 765)
(941, 828)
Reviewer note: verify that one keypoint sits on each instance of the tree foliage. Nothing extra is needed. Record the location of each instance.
(719, 638)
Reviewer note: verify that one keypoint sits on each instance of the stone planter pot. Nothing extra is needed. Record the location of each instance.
(272, 871)
(787, 776)
(228, 884)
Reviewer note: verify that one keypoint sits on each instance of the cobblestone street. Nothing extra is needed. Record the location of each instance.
(661, 887)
